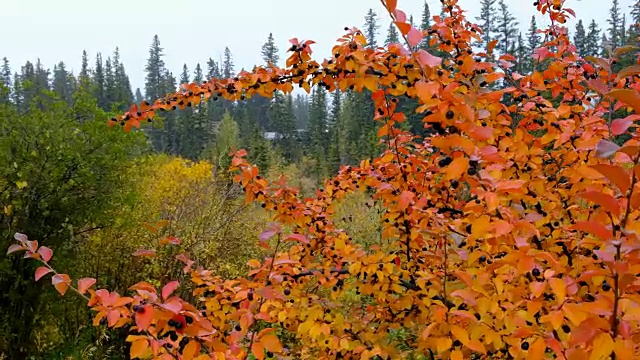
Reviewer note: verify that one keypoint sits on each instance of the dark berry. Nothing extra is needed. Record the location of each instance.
(524, 346)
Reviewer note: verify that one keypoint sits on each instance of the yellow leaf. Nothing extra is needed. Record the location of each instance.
(559, 288)
(460, 334)
(21, 184)
(139, 348)
(443, 344)
(457, 167)
(457, 355)
(602, 347)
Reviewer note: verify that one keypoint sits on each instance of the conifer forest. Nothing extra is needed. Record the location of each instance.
(449, 184)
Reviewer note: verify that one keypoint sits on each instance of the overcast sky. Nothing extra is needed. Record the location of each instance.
(191, 31)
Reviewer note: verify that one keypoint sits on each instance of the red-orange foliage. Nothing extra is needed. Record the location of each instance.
(506, 242)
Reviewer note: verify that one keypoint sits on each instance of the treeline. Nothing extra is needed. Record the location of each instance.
(327, 130)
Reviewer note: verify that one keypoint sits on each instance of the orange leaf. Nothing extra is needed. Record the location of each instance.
(404, 27)
(257, 350)
(42, 271)
(559, 288)
(457, 168)
(61, 282)
(426, 90)
(139, 348)
(456, 355)
(191, 350)
(605, 200)
(84, 284)
(271, 343)
(594, 228)
(615, 174)
(391, 5)
(628, 96)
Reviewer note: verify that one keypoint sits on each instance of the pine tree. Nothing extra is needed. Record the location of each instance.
(84, 68)
(138, 97)
(371, 28)
(155, 87)
(614, 24)
(425, 25)
(487, 21)
(99, 81)
(227, 66)
(506, 27)
(392, 35)
(270, 51)
(592, 47)
(62, 84)
(155, 80)
(5, 82)
(198, 77)
(580, 39)
(318, 127)
(109, 83)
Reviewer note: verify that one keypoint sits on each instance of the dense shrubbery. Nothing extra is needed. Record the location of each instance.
(509, 232)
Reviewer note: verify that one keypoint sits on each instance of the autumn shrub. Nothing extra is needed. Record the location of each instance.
(511, 229)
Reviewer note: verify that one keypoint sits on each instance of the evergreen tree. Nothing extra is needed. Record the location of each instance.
(533, 42)
(635, 14)
(318, 138)
(138, 97)
(99, 81)
(155, 87)
(122, 94)
(17, 96)
(227, 66)
(62, 83)
(392, 35)
(371, 28)
(184, 77)
(425, 25)
(5, 82)
(580, 39)
(284, 124)
(84, 68)
(227, 138)
(592, 47)
(301, 110)
(614, 21)
(520, 53)
(605, 45)
(487, 20)
(506, 27)
(333, 158)
(270, 51)
(109, 83)
(213, 69)
(155, 79)
(198, 77)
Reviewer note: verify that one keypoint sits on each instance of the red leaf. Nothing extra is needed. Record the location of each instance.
(391, 5)
(147, 253)
(15, 247)
(405, 199)
(606, 201)
(616, 175)
(414, 36)
(606, 148)
(426, 59)
(61, 282)
(20, 237)
(298, 237)
(46, 253)
(619, 126)
(42, 271)
(84, 284)
(169, 288)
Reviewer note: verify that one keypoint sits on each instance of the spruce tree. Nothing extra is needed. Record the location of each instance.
(580, 39)
(62, 84)
(635, 15)
(138, 97)
(487, 21)
(318, 139)
(155, 71)
(84, 68)
(122, 94)
(270, 51)
(333, 158)
(371, 28)
(506, 28)
(614, 21)
(392, 35)
(284, 124)
(301, 110)
(5, 82)
(425, 25)
(109, 83)
(227, 66)
(17, 96)
(99, 81)
(198, 77)
(605, 45)
(592, 46)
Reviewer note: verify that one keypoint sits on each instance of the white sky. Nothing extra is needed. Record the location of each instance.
(191, 31)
